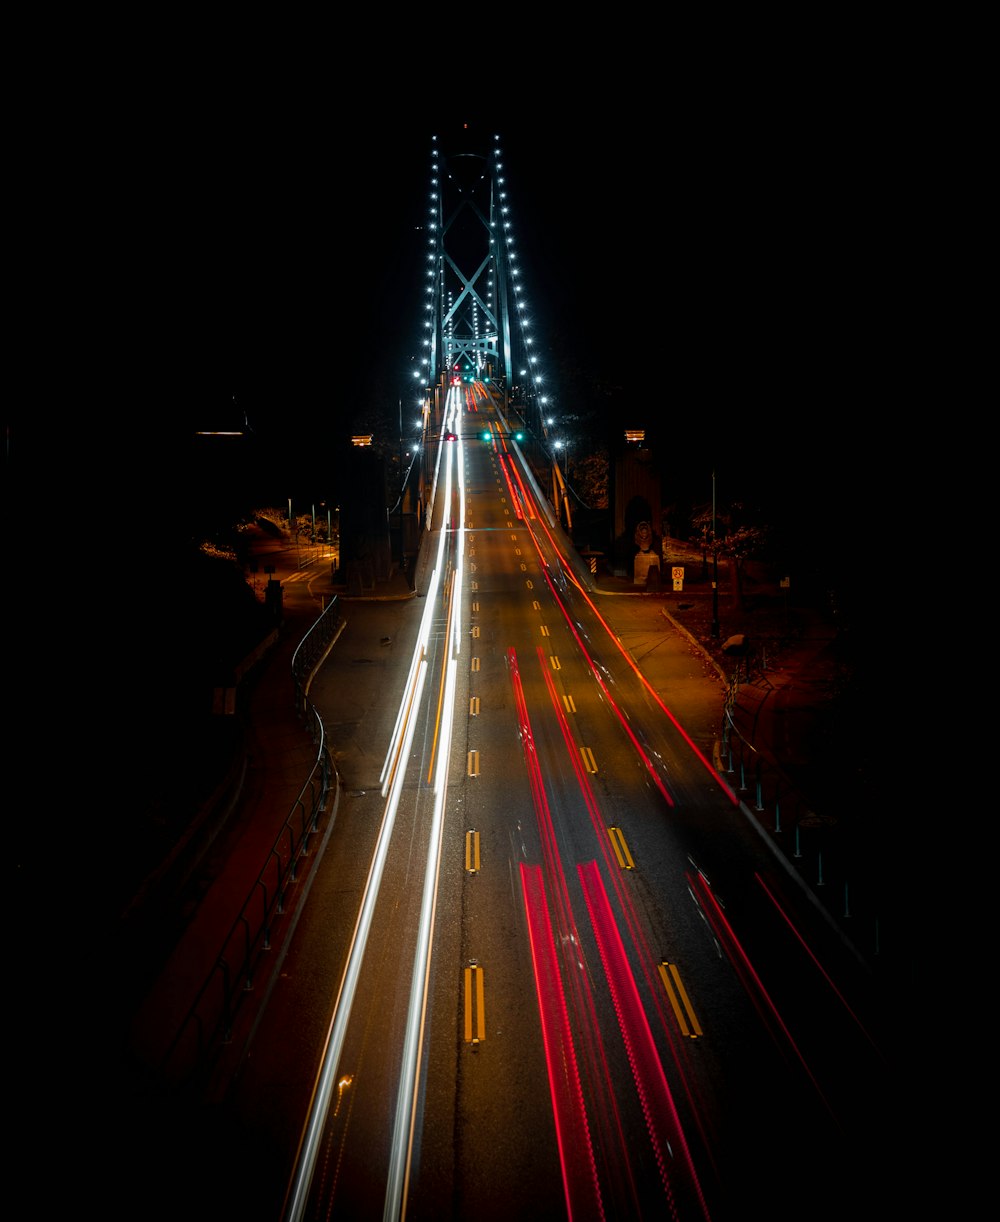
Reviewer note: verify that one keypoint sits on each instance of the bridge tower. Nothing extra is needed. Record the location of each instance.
(470, 265)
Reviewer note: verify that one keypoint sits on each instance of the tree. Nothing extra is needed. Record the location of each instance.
(743, 544)
(740, 539)
(703, 527)
(590, 477)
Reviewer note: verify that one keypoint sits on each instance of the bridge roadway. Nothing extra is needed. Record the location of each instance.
(235, 1143)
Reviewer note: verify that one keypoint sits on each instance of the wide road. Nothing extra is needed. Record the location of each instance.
(552, 968)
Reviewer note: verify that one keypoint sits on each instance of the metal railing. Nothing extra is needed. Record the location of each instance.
(832, 865)
(247, 957)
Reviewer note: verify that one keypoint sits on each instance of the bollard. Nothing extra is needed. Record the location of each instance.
(760, 799)
(847, 902)
(743, 779)
(819, 880)
(777, 816)
(798, 852)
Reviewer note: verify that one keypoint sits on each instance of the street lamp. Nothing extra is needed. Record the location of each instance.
(297, 565)
(715, 570)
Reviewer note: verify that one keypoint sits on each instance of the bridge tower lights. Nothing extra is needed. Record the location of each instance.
(475, 314)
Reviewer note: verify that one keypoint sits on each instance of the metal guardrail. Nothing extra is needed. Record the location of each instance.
(813, 843)
(311, 651)
(265, 918)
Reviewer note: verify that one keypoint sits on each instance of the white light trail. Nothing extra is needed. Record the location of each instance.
(405, 1123)
(345, 996)
(393, 778)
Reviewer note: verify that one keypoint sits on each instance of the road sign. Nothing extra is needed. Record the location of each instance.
(677, 573)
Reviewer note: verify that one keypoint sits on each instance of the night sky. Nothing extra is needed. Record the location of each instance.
(736, 285)
(735, 265)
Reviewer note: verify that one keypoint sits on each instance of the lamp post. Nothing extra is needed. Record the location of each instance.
(562, 457)
(715, 570)
(563, 447)
(559, 486)
(296, 532)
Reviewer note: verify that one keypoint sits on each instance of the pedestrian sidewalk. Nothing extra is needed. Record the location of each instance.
(216, 868)
(231, 839)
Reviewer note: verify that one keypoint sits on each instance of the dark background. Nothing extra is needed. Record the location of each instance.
(738, 270)
(739, 266)
(753, 238)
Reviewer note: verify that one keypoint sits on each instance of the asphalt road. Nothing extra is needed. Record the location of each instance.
(350, 688)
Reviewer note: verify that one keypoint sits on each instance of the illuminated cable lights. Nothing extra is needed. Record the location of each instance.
(469, 324)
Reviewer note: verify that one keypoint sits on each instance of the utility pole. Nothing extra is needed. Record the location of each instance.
(715, 570)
